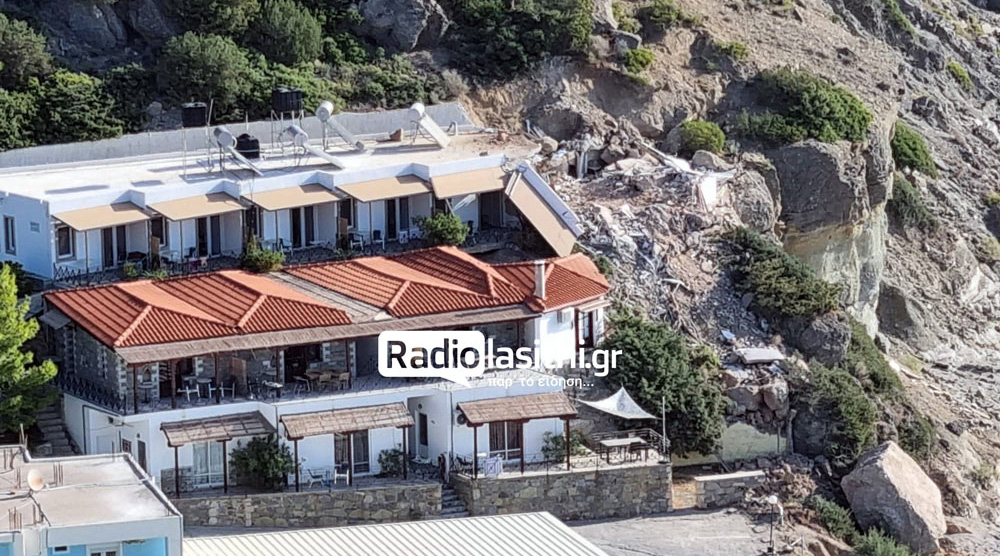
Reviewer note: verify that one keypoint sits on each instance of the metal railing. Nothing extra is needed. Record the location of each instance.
(92, 392)
(549, 463)
(651, 437)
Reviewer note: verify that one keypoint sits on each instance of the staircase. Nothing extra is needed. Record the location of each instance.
(451, 504)
(50, 421)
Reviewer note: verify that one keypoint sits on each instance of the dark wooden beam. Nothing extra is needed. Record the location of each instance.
(406, 431)
(218, 379)
(475, 452)
(172, 365)
(225, 468)
(297, 465)
(350, 459)
(177, 474)
(135, 389)
(566, 437)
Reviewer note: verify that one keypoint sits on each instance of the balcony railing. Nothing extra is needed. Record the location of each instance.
(92, 392)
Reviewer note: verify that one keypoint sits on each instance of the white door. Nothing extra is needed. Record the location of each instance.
(208, 464)
(423, 435)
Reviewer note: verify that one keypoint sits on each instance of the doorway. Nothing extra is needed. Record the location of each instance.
(201, 234)
(491, 210)
(362, 463)
(422, 436)
(296, 214)
(390, 219)
(140, 455)
(215, 224)
(208, 464)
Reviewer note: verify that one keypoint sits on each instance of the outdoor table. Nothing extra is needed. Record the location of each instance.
(275, 387)
(203, 380)
(620, 444)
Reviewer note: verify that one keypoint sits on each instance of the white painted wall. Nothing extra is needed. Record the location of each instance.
(556, 340)
(34, 248)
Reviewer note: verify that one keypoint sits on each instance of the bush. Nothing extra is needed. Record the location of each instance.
(444, 228)
(75, 108)
(265, 75)
(907, 207)
(662, 15)
(626, 22)
(222, 17)
(204, 68)
(781, 284)
(837, 519)
(735, 51)
(770, 128)
(699, 135)
(867, 364)
(603, 263)
(992, 199)
(388, 82)
(256, 259)
(805, 105)
(655, 363)
(898, 18)
(877, 543)
(960, 74)
(17, 112)
(22, 53)
(554, 446)
(132, 88)
(22, 283)
(985, 475)
(495, 38)
(262, 463)
(910, 151)
(916, 436)
(390, 463)
(987, 249)
(639, 59)
(852, 415)
(155, 274)
(287, 33)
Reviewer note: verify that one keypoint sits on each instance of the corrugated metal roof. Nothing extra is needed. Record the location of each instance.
(533, 534)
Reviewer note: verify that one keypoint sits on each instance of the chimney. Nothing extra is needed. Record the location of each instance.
(540, 279)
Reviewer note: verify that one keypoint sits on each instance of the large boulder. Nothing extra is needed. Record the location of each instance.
(824, 338)
(903, 317)
(753, 202)
(604, 16)
(888, 490)
(403, 25)
(147, 19)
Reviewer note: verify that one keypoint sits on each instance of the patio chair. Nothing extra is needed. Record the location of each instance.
(190, 388)
(356, 241)
(324, 380)
(339, 472)
(378, 238)
(344, 380)
(231, 389)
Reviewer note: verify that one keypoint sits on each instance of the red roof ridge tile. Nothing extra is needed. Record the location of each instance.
(399, 294)
(148, 293)
(135, 324)
(261, 298)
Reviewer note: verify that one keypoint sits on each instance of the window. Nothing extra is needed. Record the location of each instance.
(207, 463)
(104, 550)
(126, 446)
(65, 242)
(60, 550)
(565, 315)
(9, 239)
(347, 209)
(158, 230)
(362, 463)
(505, 439)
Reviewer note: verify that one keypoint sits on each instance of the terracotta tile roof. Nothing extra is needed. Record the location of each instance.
(205, 306)
(446, 279)
(340, 421)
(517, 408)
(224, 427)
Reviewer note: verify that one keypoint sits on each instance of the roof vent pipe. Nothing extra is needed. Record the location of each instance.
(540, 279)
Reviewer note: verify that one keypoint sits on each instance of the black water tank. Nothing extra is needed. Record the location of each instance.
(248, 146)
(194, 114)
(286, 99)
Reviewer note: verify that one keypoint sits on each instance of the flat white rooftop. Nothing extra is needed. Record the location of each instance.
(533, 534)
(93, 490)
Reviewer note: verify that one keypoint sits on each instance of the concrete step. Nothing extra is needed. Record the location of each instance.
(456, 514)
(52, 430)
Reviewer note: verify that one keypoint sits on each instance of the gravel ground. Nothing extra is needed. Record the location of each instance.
(683, 533)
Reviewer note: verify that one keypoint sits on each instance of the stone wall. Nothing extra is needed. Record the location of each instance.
(398, 502)
(718, 491)
(585, 494)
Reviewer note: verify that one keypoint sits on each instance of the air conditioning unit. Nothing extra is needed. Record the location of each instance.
(565, 316)
(460, 418)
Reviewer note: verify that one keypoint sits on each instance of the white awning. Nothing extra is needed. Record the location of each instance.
(620, 404)
(104, 216)
(197, 206)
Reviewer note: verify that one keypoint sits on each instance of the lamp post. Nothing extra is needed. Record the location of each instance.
(772, 500)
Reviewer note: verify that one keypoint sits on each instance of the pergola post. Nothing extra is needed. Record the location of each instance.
(371, 227)
(177, 474)
(522, 448)
(405, 430)
(135, 389)
(173, 383)
(566, 436)
(350, 459)
(86, 252)
(347, 363)
(295, 443)
(475, 452)
(225, 468)
(218, 380)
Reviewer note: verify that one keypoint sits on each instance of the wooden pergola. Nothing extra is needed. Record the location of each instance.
(516, 409)
(213, 429)
(346, 421)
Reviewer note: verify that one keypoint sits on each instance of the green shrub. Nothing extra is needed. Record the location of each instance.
(960, 74)
(770, 128)
(221, 17)
(898, 18)
(259, 260)
(443, 228)
(987, 249)
(130, 271)
(877, 543)
(603, 263)
(204, 68)
(22, 54)
(626, 21)
(700, 135)
(494, 38)
(554, 446)
(662, 15)
(75, 109)
(132, 88)
(264, 76)
(155, 274)
(985, 476)
(992, 199)
(907, 207)
(909, 150)
(810, 106)
(287, 33)
(390, 463)
(735, 50)
(852, 415)
(837, 519)
(262, 463)
(17, 112)
(22, 283)
(388, 82)
(916, 436)
(867, 364)
(639, 59)
(781, 284)
(655, 363)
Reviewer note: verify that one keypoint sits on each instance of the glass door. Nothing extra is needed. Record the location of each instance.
(505, 439)
(208, 464)
(362, 463)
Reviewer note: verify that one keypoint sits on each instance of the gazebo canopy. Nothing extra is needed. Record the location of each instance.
(620, 404)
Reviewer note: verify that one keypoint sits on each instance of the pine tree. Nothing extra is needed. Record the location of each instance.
(24, 388)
